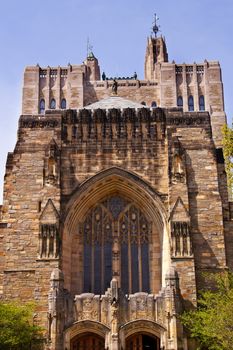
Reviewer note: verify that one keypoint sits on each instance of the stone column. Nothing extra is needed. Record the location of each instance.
(196, 92)
(47, 89)
(56, 310)
(185, 89)
(114, 316)
(175, 334)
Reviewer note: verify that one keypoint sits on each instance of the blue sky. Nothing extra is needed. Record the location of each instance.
(54, 33)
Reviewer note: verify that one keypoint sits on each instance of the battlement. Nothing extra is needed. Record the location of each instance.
(193, 87)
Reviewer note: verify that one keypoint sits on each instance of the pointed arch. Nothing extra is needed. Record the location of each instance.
(105, 184)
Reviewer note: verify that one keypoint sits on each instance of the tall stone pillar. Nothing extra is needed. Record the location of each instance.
(114, 316)
(56, 310)
(172, 309)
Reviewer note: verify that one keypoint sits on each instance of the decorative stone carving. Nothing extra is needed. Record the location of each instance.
(52, 164)
(178, 162)
(181, 245)
(49, 240)
(56, 307)
(87, 307)
(141, 306)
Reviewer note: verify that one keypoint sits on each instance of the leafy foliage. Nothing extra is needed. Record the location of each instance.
(228, 153)
(211, 324)
(17, 331)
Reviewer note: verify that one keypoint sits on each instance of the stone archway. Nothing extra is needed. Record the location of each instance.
(110, 183)
(88, 341)
(135, 335)
(84, 333)
(142, 341)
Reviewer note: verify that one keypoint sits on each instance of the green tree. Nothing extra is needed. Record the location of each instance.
(211, 323)
(17, 329)
(228, 154)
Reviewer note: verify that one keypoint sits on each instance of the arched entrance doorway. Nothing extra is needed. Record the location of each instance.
(87, 341)
(142, 341)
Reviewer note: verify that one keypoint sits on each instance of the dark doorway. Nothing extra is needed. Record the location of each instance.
(88, 341)
(142, 342)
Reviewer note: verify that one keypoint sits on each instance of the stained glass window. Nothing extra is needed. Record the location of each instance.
(116, 220)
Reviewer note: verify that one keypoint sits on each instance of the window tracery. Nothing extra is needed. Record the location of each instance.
(115, 235)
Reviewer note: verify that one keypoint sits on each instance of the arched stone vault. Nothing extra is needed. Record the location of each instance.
(113, 181)
(141, 326)
(83, 327)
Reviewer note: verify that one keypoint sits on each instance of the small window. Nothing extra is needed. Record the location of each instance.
(63, 103)
(153, 104)
(201, 103)
(191, 104)
(42, 106)
(53, 104)
(180, 101)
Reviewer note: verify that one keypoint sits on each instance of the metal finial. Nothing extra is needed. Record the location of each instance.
(156, 27)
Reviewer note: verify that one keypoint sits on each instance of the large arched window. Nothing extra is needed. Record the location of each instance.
(53, 104)
(201, 103)
(116, 242)
(180, 101)
(190, 103)
(42, 106)
(63, 103)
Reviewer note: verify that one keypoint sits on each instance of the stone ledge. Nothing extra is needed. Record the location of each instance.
(19, 270)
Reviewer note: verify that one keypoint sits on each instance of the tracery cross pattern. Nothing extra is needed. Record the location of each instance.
(115, 236)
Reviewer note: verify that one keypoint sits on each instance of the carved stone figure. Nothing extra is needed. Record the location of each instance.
(114, 87)
(114, 317)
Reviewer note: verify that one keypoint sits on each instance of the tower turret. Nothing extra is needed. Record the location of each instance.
(93, 69)
(156, 52)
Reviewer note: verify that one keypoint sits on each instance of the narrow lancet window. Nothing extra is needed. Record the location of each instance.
(153, 104)
(191, 104)
(180, 101)
(42, 106)
(53, 104)
(201, 103)
(63, 103)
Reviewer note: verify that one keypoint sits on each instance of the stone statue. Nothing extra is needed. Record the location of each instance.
(114, 317)
(114, 87)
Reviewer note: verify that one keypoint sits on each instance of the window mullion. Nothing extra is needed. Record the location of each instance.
(139, 252)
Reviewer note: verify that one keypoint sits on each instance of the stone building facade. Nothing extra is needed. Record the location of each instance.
(115, 201)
